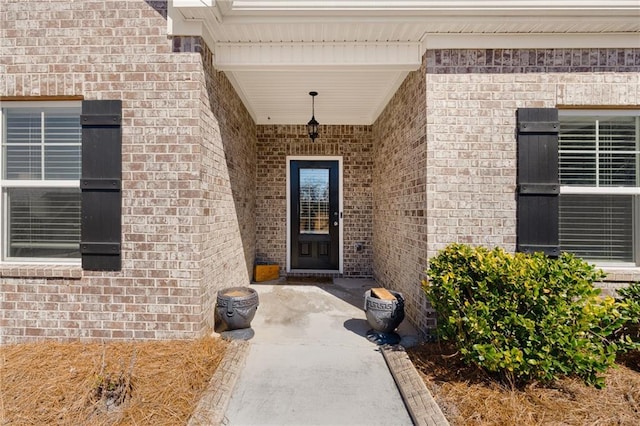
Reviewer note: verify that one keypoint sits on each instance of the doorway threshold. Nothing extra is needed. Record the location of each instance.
(314, 271)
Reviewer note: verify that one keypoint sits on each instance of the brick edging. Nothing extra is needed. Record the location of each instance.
(213, 405)
(422, 408)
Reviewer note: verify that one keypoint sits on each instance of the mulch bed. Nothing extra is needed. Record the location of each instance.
(73, 383)
(467, 396)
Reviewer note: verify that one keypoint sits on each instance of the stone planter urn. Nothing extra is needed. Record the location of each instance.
(384, 315)
(235, 308)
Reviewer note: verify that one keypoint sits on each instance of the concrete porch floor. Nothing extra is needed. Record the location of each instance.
(310, 363)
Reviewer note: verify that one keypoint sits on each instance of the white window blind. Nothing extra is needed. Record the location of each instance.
(41, 149)
(597, 227)
(599, 158)
(44, 223)
(42, 144)
(598, 151)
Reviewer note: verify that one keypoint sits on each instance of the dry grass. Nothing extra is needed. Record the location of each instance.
(468, 397)
(141, 383)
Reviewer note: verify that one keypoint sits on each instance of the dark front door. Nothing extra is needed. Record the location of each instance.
(315, 216)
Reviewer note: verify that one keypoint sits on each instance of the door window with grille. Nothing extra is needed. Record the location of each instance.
(314, 201)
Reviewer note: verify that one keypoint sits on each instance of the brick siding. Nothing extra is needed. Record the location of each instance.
(354, 144)
(187, 200)
(399, 200)
(472, 96)
(445, 150)
(228, 174)
(204, 188)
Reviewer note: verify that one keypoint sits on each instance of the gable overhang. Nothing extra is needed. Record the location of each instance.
(356, 53)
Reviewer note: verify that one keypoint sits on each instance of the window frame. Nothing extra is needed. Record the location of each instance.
(611, 190)
(31, 183)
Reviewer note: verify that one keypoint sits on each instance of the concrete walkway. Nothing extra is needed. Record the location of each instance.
(311, 364)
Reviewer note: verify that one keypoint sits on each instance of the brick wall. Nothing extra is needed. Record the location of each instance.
(472, 96)
(228, 176)
(399, 182)
(354, 144)
(445, 150)
(186, 230)
(438, 166)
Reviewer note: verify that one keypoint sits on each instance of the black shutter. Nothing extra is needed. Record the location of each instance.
(101, 234)
(538, 185)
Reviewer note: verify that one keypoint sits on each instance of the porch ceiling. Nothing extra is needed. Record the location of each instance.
(356, 53)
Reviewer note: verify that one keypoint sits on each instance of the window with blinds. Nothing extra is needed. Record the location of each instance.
(599, 169)
(597, 227)
(41, 148)
(43, 223)
(314, 201)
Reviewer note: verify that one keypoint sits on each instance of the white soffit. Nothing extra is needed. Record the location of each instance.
(354, 80)
(344, 97)
(356, 53)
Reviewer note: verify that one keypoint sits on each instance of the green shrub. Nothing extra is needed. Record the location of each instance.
(630, 301)
(525, 317)
(630, 294)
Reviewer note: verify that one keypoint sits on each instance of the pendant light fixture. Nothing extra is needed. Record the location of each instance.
(312, 125)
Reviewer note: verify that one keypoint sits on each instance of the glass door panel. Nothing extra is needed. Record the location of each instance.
(314, 201)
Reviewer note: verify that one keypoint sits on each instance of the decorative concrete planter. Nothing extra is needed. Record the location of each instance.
(384, 316)
(236, 308)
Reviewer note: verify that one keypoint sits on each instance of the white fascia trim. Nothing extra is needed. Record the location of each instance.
(180, 25)
(411, 5)
(358, 55)
(177, 24)
(193, 3)
(531, 41)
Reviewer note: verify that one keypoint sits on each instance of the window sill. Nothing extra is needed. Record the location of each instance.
(22, 270)
(621, 274)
